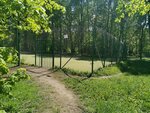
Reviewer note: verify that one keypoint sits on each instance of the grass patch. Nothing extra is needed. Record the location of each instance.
(24, 100)
(125, 94)
(27, 98)
(107, 71)
(73, 72)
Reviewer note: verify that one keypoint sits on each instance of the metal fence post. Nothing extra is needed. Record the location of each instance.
(60, 44)
(53, 48)
(35, 51)
(18, 47)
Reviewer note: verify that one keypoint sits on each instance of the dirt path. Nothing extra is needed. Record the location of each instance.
(64, 98)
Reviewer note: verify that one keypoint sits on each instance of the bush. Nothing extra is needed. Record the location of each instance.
(3, 67)
(68, 50)
(6, 84)
(2, 111)
(76, 50)
(9, 54)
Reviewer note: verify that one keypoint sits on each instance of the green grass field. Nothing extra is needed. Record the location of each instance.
(74, 64)
(127, 93)
(28, 97)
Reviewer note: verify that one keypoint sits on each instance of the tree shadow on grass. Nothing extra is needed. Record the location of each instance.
(135, 67)
(89, 58)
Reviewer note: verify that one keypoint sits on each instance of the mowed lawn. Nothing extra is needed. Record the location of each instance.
(74, 64)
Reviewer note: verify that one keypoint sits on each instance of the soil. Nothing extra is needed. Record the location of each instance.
(64, 98)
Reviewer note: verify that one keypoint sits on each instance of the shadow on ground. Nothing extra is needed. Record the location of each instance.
(89, 58)
(135, 67)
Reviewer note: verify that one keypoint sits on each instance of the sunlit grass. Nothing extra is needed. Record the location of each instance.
(125, 94)
(28, 97)
(74, 64)
(25, 98)
(112, 70)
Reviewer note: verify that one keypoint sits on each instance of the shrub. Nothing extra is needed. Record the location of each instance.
(9, 54)
(76, 50)
(3, 67)
(6, 84)
(68, 50)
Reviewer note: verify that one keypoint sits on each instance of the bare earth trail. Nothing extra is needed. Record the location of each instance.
(67, 101)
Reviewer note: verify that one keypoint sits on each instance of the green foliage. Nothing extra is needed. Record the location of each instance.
(147, 50)
(76, 50)
(3, 67)
(9, 54)
(116, 95)
(68, 50)
(6, 84)
(2, 111)
(27, 15)
(20, 74)
(26, 98)
(132, 7)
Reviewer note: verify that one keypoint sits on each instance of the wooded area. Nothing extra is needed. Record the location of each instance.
(108, 40)
(89, 27)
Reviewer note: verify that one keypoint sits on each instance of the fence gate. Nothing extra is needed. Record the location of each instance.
(43, 53)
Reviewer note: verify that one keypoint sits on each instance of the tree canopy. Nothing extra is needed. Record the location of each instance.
(132, 7)
(27, 15)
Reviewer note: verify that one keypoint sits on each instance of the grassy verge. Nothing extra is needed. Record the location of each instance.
(74, 72)
(24, 99)
(27, 98)
(107, 71)
(125, 94)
